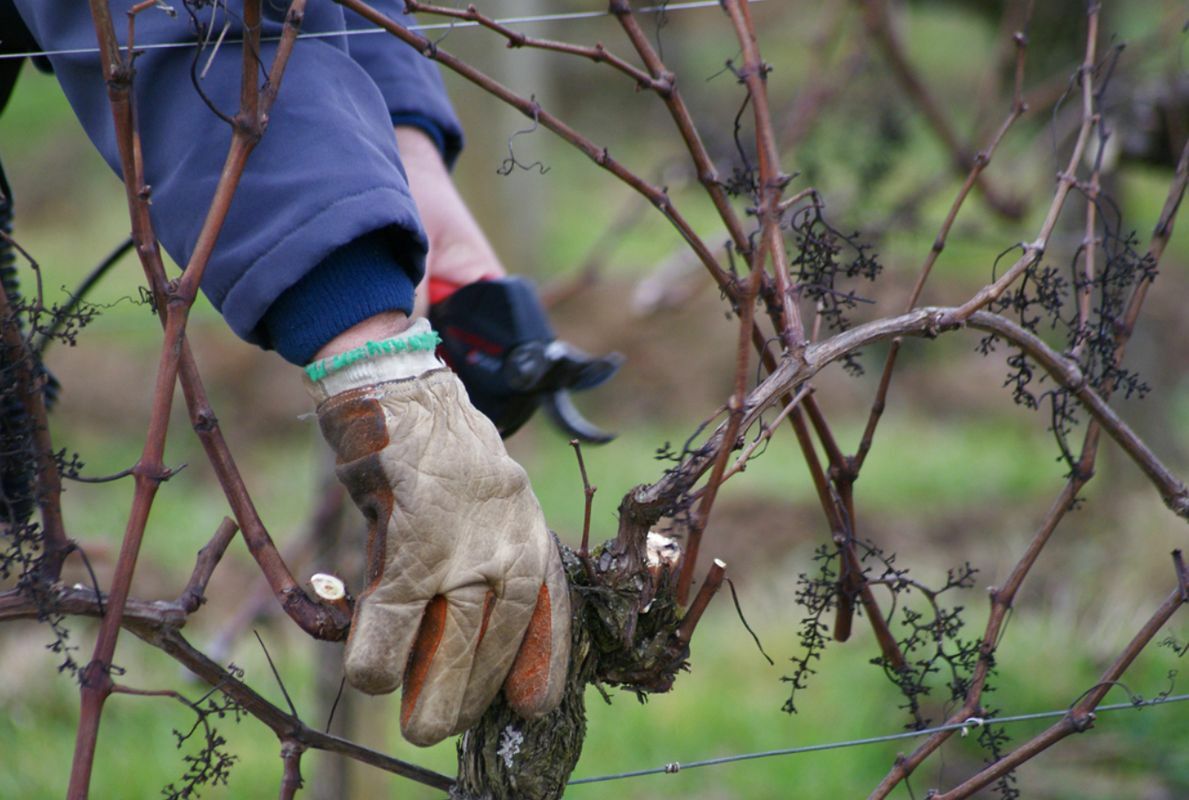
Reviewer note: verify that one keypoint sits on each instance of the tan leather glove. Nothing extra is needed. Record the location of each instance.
(465, 589)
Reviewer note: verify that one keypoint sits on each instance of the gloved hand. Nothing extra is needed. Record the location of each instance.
(465, 589)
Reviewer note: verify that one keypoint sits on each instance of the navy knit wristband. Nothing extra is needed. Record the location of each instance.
(355, 282)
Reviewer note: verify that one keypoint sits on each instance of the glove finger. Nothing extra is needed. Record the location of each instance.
(538, 678)
(497, 647)
(378, 645)
(440, 663)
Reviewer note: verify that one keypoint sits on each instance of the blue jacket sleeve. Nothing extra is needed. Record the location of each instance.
(325, 174)
(411, 84)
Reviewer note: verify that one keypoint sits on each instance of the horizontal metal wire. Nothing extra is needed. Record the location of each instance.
(674, 767)
(688, 5)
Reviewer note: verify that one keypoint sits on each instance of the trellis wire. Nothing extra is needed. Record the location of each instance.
(688, 5)
(674, 767)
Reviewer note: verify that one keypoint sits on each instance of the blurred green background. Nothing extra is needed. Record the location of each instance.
(958, 472)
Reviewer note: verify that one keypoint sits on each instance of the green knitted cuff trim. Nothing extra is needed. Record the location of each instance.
(405, 344)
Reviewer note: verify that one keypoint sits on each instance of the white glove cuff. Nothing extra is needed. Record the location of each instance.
(406, 356)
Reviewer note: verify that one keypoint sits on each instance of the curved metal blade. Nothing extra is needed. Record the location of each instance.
(597, 371)
(571, 368)
(560, 409)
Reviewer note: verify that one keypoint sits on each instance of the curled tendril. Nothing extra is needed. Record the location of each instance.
(512, 162)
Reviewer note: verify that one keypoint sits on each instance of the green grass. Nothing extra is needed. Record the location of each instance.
(728, 704)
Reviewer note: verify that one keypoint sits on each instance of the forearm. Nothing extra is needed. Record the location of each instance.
(325, 175)
(459, 252)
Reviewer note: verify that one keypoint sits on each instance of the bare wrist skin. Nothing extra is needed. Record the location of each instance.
(458, 249)
(373, 329)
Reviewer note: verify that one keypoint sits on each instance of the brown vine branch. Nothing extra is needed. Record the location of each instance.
(981, 161)
(315, 619)
(839, 514)
(701, 514)
(1014, 22)
(319, 620)
(744, 408)
(881, 30)
(1161, 233)
(784, 309)
(710, 587)
(599, 155)
(588, 493)
(1003, 597)
(298, 549)
(82, 601)
(765, 434)
(786, 316)
(1066, 180)
(1068, 374)
(927, 322)
(1081, 716)
(158, 624)
(284, 725)
(1001, 604)
(683, 119)
(119, 72)
(754, 75)
(209, 557)
(596, 53)
(291, 751)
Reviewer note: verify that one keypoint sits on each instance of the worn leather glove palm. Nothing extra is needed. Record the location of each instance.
(465, 589)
